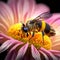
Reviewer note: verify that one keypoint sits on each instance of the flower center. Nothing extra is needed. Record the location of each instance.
(37, 40)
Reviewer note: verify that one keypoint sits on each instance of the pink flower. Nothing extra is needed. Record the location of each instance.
(16, 11)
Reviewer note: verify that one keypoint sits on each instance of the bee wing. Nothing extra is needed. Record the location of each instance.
(44, 15)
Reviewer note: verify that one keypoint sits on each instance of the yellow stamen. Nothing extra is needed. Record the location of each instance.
(16, 32)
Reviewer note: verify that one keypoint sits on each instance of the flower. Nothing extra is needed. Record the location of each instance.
(17, 11)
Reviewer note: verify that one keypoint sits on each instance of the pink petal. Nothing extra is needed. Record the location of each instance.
(13, 50)
(56, 53)
(3, 28)
(13, 5)
(58, 56)
(25, 9)
(28, 9)
(57, 29)
(56, 41)
(54, 21)
(45, 56)
(20, 10)
(13, 56)
(35, 53)
(31, 8)
(22, 52)
(56, 46)
(7, 14)
(55, 17)
(6, 45)
(1, 37)
(4, 38)
(39, 9)
(3, 21)
(49, 54)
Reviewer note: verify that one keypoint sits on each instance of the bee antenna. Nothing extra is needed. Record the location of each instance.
(27, 34)
(24, 25)
(33, 34)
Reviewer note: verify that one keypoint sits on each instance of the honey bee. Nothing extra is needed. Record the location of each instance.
(39, 25)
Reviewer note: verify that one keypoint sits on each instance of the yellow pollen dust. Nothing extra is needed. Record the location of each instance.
(37, 40)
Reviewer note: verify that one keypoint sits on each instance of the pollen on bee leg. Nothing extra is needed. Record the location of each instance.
(47, 42)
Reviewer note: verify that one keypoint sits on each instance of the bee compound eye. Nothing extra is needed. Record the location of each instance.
(25, 29)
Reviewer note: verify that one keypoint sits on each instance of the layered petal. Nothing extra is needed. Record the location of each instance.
(25, 9)
(53, 18)
(22, 52)
(3, 28)
(7, 45)
(21, 9)
(4, 38)
(35, 53)
(39, 9)
(25, 12)
(14, 51)
(49, 54)
(6, 15)
(13, 5)
(54, 21)
(56, 53)
(44, 55)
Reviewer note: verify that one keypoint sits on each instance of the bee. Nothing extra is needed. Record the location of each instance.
(39, 25)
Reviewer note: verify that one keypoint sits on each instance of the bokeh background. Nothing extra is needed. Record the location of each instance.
(53, 4)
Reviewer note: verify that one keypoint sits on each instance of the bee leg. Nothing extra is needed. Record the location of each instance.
(43, 36)
(27, 34)
(33, 34)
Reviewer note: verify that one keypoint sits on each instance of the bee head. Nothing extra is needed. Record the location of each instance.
(25, 29)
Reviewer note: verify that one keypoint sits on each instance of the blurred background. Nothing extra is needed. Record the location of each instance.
(53, 4)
